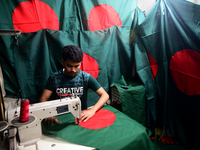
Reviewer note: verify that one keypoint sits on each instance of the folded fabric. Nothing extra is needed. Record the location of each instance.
(133, 98)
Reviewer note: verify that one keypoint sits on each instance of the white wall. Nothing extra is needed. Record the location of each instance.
(194, 1)
(146, 5)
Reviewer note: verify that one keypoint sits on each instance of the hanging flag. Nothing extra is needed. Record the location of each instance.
(102, 14)
(112, 54)
(150, 57)
(53, 25)
(167, 61)
(182, 36)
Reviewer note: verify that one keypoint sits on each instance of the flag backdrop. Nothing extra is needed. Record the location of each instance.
(167, 58)
(166, 52)
(152, 63)
(48, 26)
(183, 49)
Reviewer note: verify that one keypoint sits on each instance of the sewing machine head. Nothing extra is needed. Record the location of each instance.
(30, 131)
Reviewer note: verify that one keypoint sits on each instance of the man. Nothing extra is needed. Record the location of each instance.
(73, 80)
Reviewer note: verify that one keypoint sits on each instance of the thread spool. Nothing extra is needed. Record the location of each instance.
(24, 111)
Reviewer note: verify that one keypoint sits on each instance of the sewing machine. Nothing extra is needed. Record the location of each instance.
(30, 132)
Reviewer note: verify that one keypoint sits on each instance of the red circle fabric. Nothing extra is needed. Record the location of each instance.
(34, 15)
(185, 71)
(154, 66)
(103, 16)
(101, 119)
(90, 65)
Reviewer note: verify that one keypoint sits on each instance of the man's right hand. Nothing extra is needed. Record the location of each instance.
(49, 121)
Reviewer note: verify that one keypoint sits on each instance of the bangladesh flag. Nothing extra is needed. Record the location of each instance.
(167, 49)
(48, 26)
(182, 44)
(107, 129)
(150, 60)
(102, 14)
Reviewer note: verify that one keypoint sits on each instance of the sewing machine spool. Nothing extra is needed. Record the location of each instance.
(16, 121)
(3, 125)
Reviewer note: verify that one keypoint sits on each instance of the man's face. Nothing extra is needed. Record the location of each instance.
(71, 68)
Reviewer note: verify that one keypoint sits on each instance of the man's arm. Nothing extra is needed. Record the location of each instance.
(102, 100)
(46, 94)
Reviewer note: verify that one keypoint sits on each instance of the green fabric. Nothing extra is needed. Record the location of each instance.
(161, 37)
(68, 20)
(123, 134)
(26, 70)
(182, 29)
(28, 62)
(133, 99)
(152, 37)
(39, 57)
(125, 9)
(8, 67)
(143, 67)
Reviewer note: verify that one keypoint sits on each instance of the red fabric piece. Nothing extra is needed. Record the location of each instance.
(90, 65)
(34, 15)
(167, 140)
(101, 119)
(185, 71)
(103, 16)
(154, 66)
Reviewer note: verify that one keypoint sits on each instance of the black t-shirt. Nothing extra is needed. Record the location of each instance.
(63, 86)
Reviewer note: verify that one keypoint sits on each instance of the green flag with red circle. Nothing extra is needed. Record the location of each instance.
(167, 60)
(47, 26)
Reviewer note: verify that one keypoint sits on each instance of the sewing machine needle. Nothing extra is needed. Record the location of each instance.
(77, 121)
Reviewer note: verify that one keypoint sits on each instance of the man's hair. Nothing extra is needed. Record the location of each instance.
(72, 52)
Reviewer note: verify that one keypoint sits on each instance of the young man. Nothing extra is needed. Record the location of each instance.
(73, 80)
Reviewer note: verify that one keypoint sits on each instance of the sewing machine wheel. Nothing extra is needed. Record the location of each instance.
(16, 121)
(3, 125)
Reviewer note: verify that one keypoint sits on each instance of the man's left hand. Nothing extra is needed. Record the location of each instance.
(85, 115)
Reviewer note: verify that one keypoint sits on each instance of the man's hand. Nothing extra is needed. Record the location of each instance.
(49, 121)
(85, 115)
